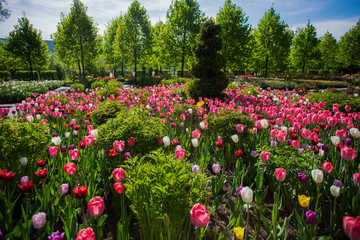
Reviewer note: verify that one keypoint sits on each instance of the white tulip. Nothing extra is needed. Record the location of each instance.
(247, 194)
(94, 133)
(190, 110)
(235, 138)
(23, 161)
(317, 175)
(166, 141)
(195, 142)
(38, 116)
(202, 125)
(335, 191)
(56, 141)
(264, 123)
(321, 153)
(335, 140)
(355, 132)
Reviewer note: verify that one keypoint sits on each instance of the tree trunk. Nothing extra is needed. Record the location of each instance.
(122, 69)
(303, 66)
(266, 65)
(114, 72)
(183, 55)
(79, 67)
(82, 58)
(31, 69)
(135, 68)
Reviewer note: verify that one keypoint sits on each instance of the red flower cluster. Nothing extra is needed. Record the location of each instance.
(40, 162)
(7, 176)
(219, 143)
(239, 153)
(26, 187)
(80, 192)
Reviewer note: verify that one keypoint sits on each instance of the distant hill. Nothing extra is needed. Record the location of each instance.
(50, 43)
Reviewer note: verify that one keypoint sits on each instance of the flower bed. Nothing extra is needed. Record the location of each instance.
(152, 164)
(16, 91)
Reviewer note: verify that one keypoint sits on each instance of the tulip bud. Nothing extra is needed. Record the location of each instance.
(335, 191)
(195, 168)
(23, 161)
(247, 195)
(235, 138)
(39, 220)
(64, 188)
(195, 142)
(166, 220)
(216, 168)
(166, 141)
(317, 175)
(335, 140)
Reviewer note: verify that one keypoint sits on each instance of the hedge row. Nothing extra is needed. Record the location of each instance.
(26, 75)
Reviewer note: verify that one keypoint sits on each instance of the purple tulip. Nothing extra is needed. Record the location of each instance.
(348, 142)
(301, 177)
(55, 135)
(325, 147)
(71, 147)
(216, 168)
(64, 188)
(310, 217)
(288, 142)
(195, 168)
(24, 179)
(63, 149)
(39, 220)
(56, 236)
(253, 153)
(238, 190)
(127, 155)
(338, 183)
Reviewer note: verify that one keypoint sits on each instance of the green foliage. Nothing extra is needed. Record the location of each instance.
(158, 185)
(342, 99)
(131, 123)
(98, 84)
(272, 42)
(225, 124)
(4, 12)
(174, 81)
(106, 111)
(235, 34)
(328, 48)
(76, 40)
(25, 42)
(49, 75)
(85, 81)
(305, 47)
(5, 75)
(26, 75)
(18, 139)
(249, 90)
(111, 88)
(184, 19)
(78, 87)
(209, 64)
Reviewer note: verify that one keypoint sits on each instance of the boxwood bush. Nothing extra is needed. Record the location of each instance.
(5, 75)
(26, 75)
(49, 75)
(342, 99)
(106, 111)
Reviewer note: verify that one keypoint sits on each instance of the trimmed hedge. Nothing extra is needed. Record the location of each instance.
(49, 75)
(26, 75)
(5, 75)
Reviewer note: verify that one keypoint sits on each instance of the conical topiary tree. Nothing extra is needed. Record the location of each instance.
(209, 64)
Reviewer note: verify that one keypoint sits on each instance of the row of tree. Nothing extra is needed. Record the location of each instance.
(131, 40)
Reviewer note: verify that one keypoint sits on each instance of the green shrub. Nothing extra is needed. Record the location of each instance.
(111, 88)
(106, 111)
(21, 140)
(225, 125)
(26, 75)
(249, 90)
(233, 85)
(173, 81)
(5, 75)
(78, 87)
(342, 99)
(85, 81)
(98, 84)
(148, 81)
(130, 123)
(162, 190)
(49, 75)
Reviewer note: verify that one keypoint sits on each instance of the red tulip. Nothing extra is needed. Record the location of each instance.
(8, 176)
(112, 153)
(295, 144)
(280, 174)
(86, 234)
(41, 173)
(26, 187)
(239, 153)
(80, 192)
(96, 206)
(352, 227)
(70, 168)
(342, 133)
(119, 187)
(131, 141)
(40, 162)
(119, 145)
(180, 153)
(53, 151)
(219, 143)
(81, 145)
(327, 167)
(2, 172)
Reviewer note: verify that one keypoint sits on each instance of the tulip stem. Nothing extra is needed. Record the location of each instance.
(247, 220)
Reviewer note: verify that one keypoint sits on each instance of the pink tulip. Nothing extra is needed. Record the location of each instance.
(96, 206)
(352, 227)
(74, 154)
(280, 174)
(327, 167)
(342, 133)
(131, 141)
(196, 134)
(119, 145)
(305, 133)
(199, 216)
(333, 121)
(265, 156)
(86, 234)
(240, 128)
(348, 154)
(274, 133)
(53, 151)
(89, 140)
(180, 153)
(295, 144)
(348, 108)
(118, 174)
(70, 168)
(281, 136)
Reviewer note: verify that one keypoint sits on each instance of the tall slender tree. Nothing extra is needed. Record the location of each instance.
(235, 34)
(76, 40)
(138, 29)
(184, 18)
(328, 48)
(305, 46)
(272, 41)
(122, 52)
(26, 43)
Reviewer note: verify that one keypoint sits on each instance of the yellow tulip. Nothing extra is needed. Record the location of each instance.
(304, 200)
(54, 126)
(239, 232)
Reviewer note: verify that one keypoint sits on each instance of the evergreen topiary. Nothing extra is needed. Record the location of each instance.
(209, 64)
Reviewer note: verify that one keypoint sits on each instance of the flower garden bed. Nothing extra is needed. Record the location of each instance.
(151, 163)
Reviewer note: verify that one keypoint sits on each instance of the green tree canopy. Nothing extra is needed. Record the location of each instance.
(235, 34)
(272, 42)
(25, 42)
(305, 46)
(184, 19)
(138, 32)
(328, 49)
(76, 40)
(349, 49)
(4, 12)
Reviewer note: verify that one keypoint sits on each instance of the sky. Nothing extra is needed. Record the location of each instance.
(335, 16)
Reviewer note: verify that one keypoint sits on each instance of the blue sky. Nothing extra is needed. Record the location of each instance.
(336, 16)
